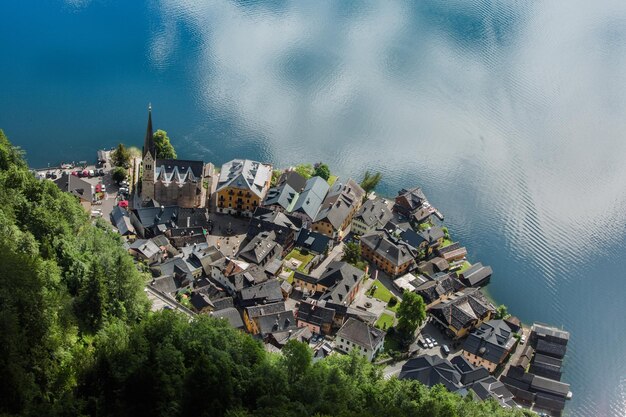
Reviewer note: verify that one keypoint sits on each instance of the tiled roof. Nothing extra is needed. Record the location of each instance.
(491, 341)
(459, 311)
(386, 246)
(178, 170)
(246, 175)
(360, 333)
(316, 315)
(374, 213)
(310, 199)
(261, 247)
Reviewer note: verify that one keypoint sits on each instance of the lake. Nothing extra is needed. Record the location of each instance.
(511, 115)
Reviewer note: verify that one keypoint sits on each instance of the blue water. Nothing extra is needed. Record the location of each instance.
(510, 114)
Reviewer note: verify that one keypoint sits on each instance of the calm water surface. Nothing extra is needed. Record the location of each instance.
(510, 114)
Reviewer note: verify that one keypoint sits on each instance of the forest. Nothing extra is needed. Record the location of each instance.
(77, 337)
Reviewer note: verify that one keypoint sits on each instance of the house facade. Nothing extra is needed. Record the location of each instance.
(489, 344)
(242, 186)
(359, 336)
(463, 312)
(389, 253)
(372, 215)
(341, 203)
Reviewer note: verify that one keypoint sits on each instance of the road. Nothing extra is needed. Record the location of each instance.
(160, 302)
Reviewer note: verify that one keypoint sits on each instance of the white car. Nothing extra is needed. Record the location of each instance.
(96, 213)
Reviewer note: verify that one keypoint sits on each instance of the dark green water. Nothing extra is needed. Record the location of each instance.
(510, 114)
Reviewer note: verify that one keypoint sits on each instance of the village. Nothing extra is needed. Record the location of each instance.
(283, 256)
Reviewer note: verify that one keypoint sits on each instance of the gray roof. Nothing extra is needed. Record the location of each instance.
(75, 186)
(313, 241)
(166, 284)
(477, 274)
(269, 291)
(491, 341)
(361, 334)
(386, 246)
(260, 248)
(301, 334)
(200, 300)
(431, 370)
(339, 202)
(277, 322)
(178, 170)
(265, 309)
(311, 198)
(246, 175)
(295, 180)
(440, 285)
(414, 197)
(283, 195)
(550, 386)
(121, 220)
(491, 388)
(231, 315)
(464, 307)
(146, 247)
(340, 278)
(374, 212)
(548, 332)
(314, 314)
(275, 217)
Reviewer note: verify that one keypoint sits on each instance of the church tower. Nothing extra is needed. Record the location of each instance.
(148, 161)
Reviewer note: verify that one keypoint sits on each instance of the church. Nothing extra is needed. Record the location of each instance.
(171, 182)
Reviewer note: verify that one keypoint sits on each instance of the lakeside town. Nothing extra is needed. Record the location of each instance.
(293, 255)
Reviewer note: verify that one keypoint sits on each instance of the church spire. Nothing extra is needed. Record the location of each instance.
(148, 143)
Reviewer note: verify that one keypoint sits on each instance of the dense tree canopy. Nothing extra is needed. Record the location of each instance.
(306, 170)
(164, 148)
(321, 170)
(411, 314)
(370, 181)
(76, 337)
(119, 174)
(121, 156)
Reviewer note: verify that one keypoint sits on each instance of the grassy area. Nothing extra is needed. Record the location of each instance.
(332, 179)
(304, 259)
(385, 321)
(381, 293)
(425, 226)
(395, 307)
(466, 265)
(446, 242)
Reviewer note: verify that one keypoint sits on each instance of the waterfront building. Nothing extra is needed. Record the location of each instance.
(242, 186)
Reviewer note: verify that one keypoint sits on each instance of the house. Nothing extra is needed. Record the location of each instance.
(293, 178)
(262, 249)
(283, 196)
(452, 252)
(186, 236)
(409, 201)
(279, 339)
(276, 323)
(476, 275)
(235, 275)
(489, 345)
(284, 226)
(242, 186)
(338, 284)
(309, 201)
(424, 240)
(79, 188)
(492, 389)
(251, 314)
(154, 221)
(438, 289)
(433, 266)
(341, 203)
(317, 318)
(514, 323)
(147, 251)
(372, 215)
(267, 292)
(170, 181)
(120, 219)
(431, 370)
(462, 312)
(389, 253)
(409, 282)
(355, 334)
(230, 315)
(314, 242)
(209, 297)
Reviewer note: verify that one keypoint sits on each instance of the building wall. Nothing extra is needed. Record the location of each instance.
(147, 177)
(188, 194)
(348, 346)
(313, 328)
(478, 361)
(233, 200)
(384, 264)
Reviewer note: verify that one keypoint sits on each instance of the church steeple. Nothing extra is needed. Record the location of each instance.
(148, 143)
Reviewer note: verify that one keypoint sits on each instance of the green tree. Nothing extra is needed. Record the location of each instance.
(121, 156)
(306, 170)
(275, 176)
(352, 253)
(502, 312)
(119, 174)
(370, 181)
(321, 170)
(164, 148)
(411, 314)
(296, 359)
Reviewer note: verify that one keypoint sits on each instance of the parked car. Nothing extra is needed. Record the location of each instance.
(96, 213)
(523, 339)
(445, 350)
(100, 172)
(124, 184)
(76, 173)
(123, 190)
